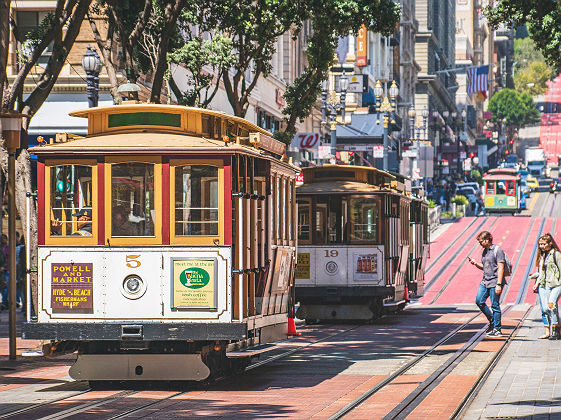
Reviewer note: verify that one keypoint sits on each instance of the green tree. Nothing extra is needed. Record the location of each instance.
(542, 17)
(513, 109)
(206, 60)
(331, 20)
(532, 79)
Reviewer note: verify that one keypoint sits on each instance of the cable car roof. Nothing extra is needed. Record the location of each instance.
(501, 177)
(156, 128)
(337, 187)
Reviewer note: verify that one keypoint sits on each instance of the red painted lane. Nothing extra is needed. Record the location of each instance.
(460, 256)
(463, 286)
(509, 233)
(452, 231)
(523, 258)
(515, 282)
(438, 247)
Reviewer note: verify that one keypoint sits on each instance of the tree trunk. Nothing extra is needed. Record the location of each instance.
(171, 14)
(4, 43)
(23, 186)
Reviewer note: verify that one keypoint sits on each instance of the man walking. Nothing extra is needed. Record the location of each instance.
(493, 266)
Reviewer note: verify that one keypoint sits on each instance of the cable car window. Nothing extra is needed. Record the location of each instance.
(320, 236)
(196, 200)
(490, 187)
(71, 200)
(132, 199)
(510, 187)
(363, 219)
(501, 187)
(304, 213)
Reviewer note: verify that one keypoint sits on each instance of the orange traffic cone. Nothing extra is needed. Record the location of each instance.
(406, 294)
(292, 327)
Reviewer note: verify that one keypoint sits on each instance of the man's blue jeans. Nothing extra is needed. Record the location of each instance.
(482, 294)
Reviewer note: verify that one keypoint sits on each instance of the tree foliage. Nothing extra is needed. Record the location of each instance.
(513, 109)
(331, 20)
(542, 17)
(206, 60)
(532, 79)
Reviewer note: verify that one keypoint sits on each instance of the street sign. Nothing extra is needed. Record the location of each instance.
(462, 155)
(378, 151)
(306, 141)
(357, 148)
(416, 173)
(358, 83)
(300, 179)
(409, 153)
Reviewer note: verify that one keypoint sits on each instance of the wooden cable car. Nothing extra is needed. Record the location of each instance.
(502, 191)
(355, 244)
(167, 242)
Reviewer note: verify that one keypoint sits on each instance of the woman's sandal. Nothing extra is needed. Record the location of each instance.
(543, 337)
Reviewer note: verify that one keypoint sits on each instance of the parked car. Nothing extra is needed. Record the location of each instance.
(532, 182)
(555, 185)
(470, 193)
(473, 185)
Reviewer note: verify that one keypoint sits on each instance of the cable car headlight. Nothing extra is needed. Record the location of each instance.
(133, 287)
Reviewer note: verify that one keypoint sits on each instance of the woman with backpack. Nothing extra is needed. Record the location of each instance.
(548, 284)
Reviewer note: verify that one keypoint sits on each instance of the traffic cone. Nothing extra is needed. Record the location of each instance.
(406, 294)
(292, 327)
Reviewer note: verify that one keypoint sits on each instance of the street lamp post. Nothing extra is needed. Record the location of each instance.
(425, 115)
(11, 128)
(412, 114)
(386, 106)
(332, 107)
(91, 64)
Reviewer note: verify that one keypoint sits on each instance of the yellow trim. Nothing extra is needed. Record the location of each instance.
(134, 240)
(70, 240)
(196, 240)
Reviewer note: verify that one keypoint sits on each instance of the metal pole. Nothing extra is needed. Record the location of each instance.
(385, 164)
(28, 255)
(333, 127)
(12, 250)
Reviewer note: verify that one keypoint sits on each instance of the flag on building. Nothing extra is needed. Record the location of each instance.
(477, 79)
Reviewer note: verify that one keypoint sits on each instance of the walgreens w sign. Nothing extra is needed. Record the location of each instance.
(306, 141)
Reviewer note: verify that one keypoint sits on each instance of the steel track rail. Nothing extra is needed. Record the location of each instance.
(474, 390)
(447, 263)
(415, 398)
(525, 279)
(432, 263)
(390, 378)
(248, 368)
(35, 406)
(504, 292)
(70, 411)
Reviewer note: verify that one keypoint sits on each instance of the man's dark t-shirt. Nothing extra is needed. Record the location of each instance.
(490, 265)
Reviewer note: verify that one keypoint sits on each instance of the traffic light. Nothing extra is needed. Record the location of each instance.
(511, 142)
(351, 152)
(472, 155)
(506, 152)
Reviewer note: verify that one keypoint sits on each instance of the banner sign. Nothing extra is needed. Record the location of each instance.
(362, 47)
(72, 288)
(306, 141)
(194, 283)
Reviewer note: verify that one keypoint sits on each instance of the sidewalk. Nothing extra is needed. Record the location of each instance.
(526, 383)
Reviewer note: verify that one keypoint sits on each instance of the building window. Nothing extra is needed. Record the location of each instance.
(267, 121)
(28, 21)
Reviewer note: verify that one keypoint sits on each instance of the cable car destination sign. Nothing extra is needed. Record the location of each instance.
(72, 287)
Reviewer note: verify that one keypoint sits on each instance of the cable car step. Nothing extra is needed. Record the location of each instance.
(394, 303)
(252, 351)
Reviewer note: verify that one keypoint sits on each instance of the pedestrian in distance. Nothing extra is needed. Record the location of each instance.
(548, 284)
(492, 263)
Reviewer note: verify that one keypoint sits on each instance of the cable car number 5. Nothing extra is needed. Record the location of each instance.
(132, 261)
